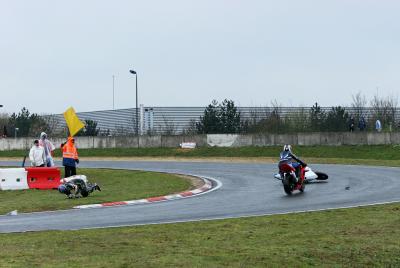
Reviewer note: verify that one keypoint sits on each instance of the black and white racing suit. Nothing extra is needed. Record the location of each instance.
(77, 187)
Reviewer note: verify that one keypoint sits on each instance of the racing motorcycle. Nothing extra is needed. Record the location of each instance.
(287, 174)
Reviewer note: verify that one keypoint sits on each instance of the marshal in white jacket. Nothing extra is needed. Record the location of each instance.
(37, 156)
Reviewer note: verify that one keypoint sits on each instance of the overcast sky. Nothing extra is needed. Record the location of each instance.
(56, 54)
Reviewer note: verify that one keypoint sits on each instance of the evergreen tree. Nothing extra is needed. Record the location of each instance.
(222, 118)
(337, 119)
(209, 122)
(317, 118)
(229, 117)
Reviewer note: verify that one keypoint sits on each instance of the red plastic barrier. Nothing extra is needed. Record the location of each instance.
(43, 177)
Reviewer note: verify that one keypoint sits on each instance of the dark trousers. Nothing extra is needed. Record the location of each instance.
(70, 171)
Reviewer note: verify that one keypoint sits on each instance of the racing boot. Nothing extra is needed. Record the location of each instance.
(97, 187)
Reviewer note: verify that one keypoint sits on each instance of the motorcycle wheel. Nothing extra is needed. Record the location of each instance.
(321, 176)
(287, 185)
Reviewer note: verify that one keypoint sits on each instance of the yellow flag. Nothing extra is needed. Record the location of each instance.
(73, 122)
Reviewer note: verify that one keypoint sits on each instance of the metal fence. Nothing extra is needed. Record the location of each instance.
(176, 120)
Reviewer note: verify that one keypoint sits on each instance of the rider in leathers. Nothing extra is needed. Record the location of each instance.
(287, 157)
(76, 186)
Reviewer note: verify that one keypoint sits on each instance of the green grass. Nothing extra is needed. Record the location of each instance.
(358, 237)
(117, 185)
(382, 152)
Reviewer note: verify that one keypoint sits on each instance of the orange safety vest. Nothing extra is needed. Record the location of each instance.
(69, 150)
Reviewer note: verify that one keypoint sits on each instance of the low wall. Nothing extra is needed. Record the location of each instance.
(220, 140)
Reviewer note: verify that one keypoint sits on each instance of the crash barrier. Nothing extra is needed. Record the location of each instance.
(13, 179)
(188, 145)
(43, 177)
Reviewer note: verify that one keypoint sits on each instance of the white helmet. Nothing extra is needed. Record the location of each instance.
(287, 147)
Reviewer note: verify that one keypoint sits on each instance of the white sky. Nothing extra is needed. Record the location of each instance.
(56, 54)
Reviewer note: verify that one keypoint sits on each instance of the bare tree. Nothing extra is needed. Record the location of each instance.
(121, 130)
(169, 128)
(359, 104)
(384, 109)
(191, 128)
(51, 124)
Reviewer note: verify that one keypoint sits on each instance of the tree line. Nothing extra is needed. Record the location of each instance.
(27, 124)
(225, 118)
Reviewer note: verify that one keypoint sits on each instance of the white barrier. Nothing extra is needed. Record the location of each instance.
(188, 145)
(13, 179)
(221, 140)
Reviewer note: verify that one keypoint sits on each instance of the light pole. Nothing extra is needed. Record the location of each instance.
(113, 90)
(16, 130)
(137, 114)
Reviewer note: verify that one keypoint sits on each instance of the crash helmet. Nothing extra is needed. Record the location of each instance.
(63, 189)
(287, 148)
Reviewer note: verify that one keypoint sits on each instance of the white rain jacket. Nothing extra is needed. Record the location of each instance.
(48, 147)
(37, 156)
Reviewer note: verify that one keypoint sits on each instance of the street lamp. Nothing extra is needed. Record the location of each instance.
(113, 90)
(137, 113)
(15, 133)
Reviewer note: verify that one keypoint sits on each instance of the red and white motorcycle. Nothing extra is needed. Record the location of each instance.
(287, 174)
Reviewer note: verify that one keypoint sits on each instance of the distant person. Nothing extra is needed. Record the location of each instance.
(37, 155)
(378, 125)
(361, 124)
(5, 134)
(70, 157)
(48, 149)
(351, 124)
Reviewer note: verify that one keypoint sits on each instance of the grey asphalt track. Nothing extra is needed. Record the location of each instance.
(247, 189)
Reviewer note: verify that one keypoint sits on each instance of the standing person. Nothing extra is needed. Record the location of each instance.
(378, 125)
(5, 132)
(37, 155)
(361, 124)
(70, 157)
(351, 124)
(48, 149)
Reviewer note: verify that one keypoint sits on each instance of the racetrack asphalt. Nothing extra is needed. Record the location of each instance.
(248, 189)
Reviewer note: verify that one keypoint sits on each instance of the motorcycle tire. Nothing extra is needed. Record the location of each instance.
(321, 176)
(287, 184)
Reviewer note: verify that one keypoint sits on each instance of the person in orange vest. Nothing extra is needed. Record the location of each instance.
(70, 157)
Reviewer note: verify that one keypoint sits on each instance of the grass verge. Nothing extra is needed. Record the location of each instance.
(357, 237)
(117, 185)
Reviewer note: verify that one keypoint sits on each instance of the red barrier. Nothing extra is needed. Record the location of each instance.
(43, 177)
